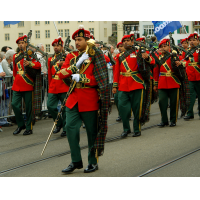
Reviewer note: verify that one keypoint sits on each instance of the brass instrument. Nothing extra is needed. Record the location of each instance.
(90, 45)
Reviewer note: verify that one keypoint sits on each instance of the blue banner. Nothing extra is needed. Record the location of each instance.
(11, 22)
(162, 28)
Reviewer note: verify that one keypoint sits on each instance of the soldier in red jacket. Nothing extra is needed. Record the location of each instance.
(167, 84)
(185, 45)
(23, 87)
(83, 103)
(193, 73)
(57, 87)
(130, 85)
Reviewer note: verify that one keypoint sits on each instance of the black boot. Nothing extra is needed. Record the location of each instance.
(188, 118)
(91, 168)
(119, 119)
(28, 132)
(63, 134)
(136, 134)
(172, 124)
(125, 133)
(162, 124)
(18, 130)
(73, 166)
(57, 129)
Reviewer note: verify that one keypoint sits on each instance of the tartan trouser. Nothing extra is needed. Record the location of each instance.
(173, 95)
(17, 105)
(194, 90)
(74, 120)
(128, 100)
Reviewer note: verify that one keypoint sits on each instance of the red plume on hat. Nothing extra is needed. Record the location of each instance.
(142, 39)
(81, 32)
(23, 38)
(92, 36)
(193, 35)
(58, 41)
(164, 41)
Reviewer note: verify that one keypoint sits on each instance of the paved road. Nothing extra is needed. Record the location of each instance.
(128, 157)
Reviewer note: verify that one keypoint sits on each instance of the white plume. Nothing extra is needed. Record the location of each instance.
(81, 27)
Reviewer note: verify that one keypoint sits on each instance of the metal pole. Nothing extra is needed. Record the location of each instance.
(56, 28)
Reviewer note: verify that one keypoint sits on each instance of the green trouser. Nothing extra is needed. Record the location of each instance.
(128, 100)
(52, 105)
(194, 90)
(116, 100)
(173, 95)
(74, 120)
(17, 105)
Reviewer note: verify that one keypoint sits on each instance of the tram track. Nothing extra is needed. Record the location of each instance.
(115, 138)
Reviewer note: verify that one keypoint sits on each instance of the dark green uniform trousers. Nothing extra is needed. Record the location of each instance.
(52, 105)
(128, 100)
(17, 106)
(74, 120)
(173, 95)
(116, 100)
(194, 90)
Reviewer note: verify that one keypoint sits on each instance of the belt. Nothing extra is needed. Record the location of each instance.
(56, 77)
(167, 74)
(129, 73)
(82, 85)
(20, 72)
(193, 64)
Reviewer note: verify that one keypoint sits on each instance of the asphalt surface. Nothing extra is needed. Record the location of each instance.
(129, 157)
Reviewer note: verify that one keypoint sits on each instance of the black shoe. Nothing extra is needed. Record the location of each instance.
(162, 124)
(73, 166)
(91, 168)
(83, 125)
(136, 134)
(119, 119)
(125, 133)
(57, 129)
(172, 124)
(18, 130)
(188, 118)
(28, 132)
(63, 134)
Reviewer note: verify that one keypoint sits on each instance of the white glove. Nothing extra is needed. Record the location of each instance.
(81, 59)
(76, 77)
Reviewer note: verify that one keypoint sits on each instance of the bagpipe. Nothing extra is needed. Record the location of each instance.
(66, 45)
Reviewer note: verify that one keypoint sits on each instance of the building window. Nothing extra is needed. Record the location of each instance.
(197, 23)
(148, 30)
(60, 22)
(105, 32)
(91, 30)
(37, 22)
(66, 22)
(66, 32)
(114, 29)
(47, 47)
(20, 34)
(7, 26)
(7, 36)
(46, 22)
(91, 21)
(21, 24)
(47, 33)
(37, 34)
(80, 21)
(197, 30)
(183, 30)
(60, 31)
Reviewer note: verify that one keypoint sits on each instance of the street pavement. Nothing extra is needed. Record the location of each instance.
(129, 157)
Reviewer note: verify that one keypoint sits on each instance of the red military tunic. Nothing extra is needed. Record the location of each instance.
(56, 85)
(164, 77)
(126, 75)
(85, 92)
(192, 68)
(22, 84)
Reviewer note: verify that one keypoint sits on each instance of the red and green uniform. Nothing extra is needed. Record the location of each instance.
(130, 86)
(82, 105)
(23, 86)
(168, 87)
(57, 92)
(193, 73)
